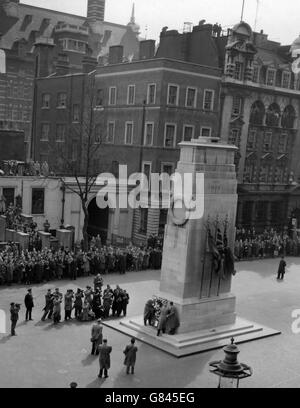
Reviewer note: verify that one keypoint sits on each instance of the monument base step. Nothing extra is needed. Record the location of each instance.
(185, 344)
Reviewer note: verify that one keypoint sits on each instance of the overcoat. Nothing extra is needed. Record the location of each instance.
(104, 356)
(130, 355)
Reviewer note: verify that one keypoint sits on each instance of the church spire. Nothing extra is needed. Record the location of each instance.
(132, 20)
(134, 26)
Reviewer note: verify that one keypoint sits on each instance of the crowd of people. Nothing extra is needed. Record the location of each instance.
(44, 265)
(30, 168)
(269, 244)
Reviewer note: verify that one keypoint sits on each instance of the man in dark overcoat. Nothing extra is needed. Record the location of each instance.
(130, 356)
(104, 359)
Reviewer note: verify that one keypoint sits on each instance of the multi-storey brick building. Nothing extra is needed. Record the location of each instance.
(22, 26)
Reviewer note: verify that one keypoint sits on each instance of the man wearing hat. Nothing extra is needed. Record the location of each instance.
(29, 305)
(96, 336)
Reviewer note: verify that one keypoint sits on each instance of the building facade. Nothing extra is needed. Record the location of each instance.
(260, 115)
(23, 26)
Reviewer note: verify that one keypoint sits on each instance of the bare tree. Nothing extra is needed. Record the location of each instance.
(89, 134)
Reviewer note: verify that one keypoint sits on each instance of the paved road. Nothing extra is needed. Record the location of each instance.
(43, 355)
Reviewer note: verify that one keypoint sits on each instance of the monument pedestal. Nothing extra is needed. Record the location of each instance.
(200, 341)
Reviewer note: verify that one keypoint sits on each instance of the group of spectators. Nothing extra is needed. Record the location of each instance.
(269, 244)
(88, 304)
(30, 168)
(37, 266)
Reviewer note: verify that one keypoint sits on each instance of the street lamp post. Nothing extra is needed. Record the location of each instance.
(229, 370)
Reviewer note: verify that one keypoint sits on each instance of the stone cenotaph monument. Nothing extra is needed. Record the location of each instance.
(198, 265)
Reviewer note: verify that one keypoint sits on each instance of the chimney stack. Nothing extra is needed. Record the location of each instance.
(43, 50)
(62, 64)
(95, 10)
(116, 53)
(89, 64)
(147, 49)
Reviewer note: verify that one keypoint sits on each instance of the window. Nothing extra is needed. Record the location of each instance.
(173, 95)
(205, 132)
(208, 102)
(267, 141)
(271, 76)
(251, 139)
(191, 94)
(143, 220)
(60, 133)
(98, 133)
(46, 101)
(38, 200)
(286, 79)
(282, 145)
(9, 196)
(146, 170)
(131, 95)
(167, 168)
(151, 94)
(237, 106)
(110, 132)
(235, 137)
(128, 132)
(62, 100)
(45, 130)
(238, 71)
(99, 97)
(170, 134)
(74, 151)
(188, 133)
(249, 172)
(76, 113)
(148, 135)
(112, 95)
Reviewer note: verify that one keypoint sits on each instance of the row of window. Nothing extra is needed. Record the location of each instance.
(270, 77)
(172, 98)
(268, 141)
(170, 133)
(261, 211)
(267, 173)
(37, 199)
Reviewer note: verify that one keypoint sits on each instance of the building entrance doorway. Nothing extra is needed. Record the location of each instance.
(98, 221)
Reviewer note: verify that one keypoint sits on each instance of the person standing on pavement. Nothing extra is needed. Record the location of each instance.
(96, 337)
(48, 309)
(104, 359)
(281, 269)
(130, 356)
(68, 304)
(14, 317)
(162, 321)
(29, 305)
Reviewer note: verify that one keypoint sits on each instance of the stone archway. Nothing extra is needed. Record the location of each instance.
(98, 220)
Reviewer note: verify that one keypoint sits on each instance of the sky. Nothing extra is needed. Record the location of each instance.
(279, 19)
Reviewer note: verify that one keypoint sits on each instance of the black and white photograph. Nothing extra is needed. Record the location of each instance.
(149, 197)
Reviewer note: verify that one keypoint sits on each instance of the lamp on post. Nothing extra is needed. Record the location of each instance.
(229, 370)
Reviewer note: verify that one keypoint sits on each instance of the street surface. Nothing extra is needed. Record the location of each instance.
(43, 355)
